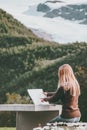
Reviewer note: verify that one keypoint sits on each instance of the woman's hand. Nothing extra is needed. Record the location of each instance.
(45, 99)
(45, 93)
(42, 99)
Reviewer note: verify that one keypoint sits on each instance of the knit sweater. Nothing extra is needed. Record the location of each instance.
(70, 107)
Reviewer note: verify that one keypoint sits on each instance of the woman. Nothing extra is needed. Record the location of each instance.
(68, 91)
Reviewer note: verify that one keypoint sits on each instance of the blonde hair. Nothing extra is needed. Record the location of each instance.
(68, 80)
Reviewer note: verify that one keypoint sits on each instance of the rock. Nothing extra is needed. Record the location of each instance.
(63, 126)
(43, 8)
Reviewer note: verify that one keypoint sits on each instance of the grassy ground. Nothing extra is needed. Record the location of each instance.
(7, 128)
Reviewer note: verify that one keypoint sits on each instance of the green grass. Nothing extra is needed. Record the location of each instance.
(7, 128)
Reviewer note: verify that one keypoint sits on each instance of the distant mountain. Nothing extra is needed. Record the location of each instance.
(64, 21)
(73, 12)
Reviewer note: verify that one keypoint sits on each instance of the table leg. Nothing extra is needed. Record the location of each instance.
(30, 120)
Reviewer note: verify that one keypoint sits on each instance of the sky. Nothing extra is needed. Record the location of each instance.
(57, 29)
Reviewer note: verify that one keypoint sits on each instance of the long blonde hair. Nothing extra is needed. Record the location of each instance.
(68, 80)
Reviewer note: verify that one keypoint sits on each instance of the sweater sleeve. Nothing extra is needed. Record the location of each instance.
(59, 94)
(50, 93)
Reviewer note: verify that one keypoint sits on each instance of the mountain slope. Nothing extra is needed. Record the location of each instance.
(13, 33)
(11, 26)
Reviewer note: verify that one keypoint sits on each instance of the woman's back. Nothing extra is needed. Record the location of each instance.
(70, 105)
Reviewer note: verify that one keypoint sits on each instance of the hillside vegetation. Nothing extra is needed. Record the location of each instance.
(27, 61)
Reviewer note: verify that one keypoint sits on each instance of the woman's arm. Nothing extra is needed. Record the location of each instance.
(59, 94)
(50, 93)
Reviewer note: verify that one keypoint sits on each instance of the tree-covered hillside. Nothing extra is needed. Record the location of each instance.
(11, 26)
(27, 61)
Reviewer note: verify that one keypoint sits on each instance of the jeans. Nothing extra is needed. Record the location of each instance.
(60, 119)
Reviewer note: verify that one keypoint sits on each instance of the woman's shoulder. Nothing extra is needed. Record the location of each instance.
(61, 89)
(64, 90)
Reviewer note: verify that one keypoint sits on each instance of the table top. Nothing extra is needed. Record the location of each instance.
(29, 107)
